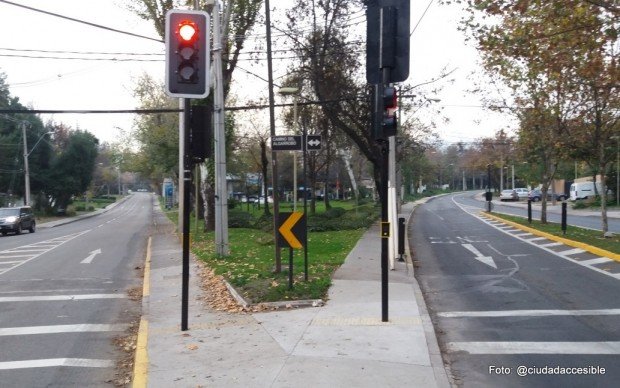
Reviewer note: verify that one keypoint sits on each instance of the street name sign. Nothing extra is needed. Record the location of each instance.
(286, 143)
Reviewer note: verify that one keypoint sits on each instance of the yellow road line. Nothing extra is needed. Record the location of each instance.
(141, 361)
(572, 243)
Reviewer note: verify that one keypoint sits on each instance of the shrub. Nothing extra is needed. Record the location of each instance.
(239, 219)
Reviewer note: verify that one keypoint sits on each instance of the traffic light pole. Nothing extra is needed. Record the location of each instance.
(187, 177)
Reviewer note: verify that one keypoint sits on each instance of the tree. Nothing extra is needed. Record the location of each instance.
(559, 58)
(72, 169)
(238, 19)
(12, 148)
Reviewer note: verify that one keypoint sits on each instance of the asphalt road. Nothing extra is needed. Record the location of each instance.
(505, 302)
(65, 297)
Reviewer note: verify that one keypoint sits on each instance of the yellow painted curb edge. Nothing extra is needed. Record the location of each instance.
(141, 361)
(572, 243)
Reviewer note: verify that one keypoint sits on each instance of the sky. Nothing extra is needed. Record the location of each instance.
(101, 84)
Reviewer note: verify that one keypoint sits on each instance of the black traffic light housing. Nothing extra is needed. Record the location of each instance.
(390, 117)
(387, 40)
(187, 54)
(201, 133)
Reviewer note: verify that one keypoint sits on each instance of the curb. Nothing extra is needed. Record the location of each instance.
(141, 358)
(572, 243)
(280, 305)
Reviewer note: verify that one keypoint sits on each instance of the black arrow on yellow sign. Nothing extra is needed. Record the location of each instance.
(292, 230)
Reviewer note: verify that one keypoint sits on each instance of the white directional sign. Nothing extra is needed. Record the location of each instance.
(313, 142)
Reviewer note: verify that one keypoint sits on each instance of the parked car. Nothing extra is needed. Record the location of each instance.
(261, 200)
(16, 220)
(509, 195)
(522, 192)
(536, 195)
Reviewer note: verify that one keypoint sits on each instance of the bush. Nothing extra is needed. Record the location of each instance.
(239, 219)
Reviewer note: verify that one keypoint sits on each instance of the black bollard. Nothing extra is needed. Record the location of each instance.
(529, 211)
(564, 218)
(401, 239)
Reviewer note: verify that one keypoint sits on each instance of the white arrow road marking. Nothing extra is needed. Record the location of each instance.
(90, 257)
(488, 260)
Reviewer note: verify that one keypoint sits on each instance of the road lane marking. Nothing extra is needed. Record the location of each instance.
(42, 298)
(572, 252)
(536, 239)
(55, 329)
(549, 245)
(56, 362)
(90, 257)
(598, 260)
(488, 260)
(34, 253)
(526, 313)
(605, 347)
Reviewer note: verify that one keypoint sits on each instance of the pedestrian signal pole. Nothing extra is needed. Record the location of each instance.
(387, 62)
(187, 77)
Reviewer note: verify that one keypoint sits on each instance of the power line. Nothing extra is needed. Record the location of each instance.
(421, 17)
(81, 21)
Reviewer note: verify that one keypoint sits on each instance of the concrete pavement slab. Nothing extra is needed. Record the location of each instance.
(341, 344)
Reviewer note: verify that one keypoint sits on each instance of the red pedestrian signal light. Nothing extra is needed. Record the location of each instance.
(390, 118)
(187, 54)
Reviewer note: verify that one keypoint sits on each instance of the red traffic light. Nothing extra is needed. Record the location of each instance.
(187, 31)
(390, 98)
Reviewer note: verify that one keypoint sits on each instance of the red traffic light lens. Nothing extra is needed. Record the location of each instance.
(187, 31)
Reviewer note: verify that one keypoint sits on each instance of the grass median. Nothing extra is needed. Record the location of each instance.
(250, 267)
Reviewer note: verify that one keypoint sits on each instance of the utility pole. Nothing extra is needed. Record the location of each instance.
(221, 192)
(272, 129)
(26, 168)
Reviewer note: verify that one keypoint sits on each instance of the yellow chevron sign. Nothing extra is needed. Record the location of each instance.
(292, 229)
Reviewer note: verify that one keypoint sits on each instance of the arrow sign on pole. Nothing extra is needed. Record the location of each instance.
(488, 260)
(292, 230)
(90, 257)
(313, 142)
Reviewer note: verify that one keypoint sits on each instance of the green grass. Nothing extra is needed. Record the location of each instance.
(251, 263)
(586, 236)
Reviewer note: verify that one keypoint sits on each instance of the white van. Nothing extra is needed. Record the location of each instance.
(582, 190)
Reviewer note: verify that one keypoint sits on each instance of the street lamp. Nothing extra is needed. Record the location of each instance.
(26, 166)
(294, 91)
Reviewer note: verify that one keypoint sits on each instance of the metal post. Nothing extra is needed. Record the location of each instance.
(290, 268)
(564, 218)
(305, 160)
(221, 193)
(529, 211)
(295, 154)
(272, 128)
(186, 177)
(26, 167)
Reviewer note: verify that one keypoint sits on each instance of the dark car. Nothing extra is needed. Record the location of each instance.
(16, 220)
(536, 195)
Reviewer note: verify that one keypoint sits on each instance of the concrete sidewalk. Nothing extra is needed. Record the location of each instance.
(341, 344)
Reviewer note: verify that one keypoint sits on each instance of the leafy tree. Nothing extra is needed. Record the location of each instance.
(12, 148)
(559, 58)
(72, 169)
